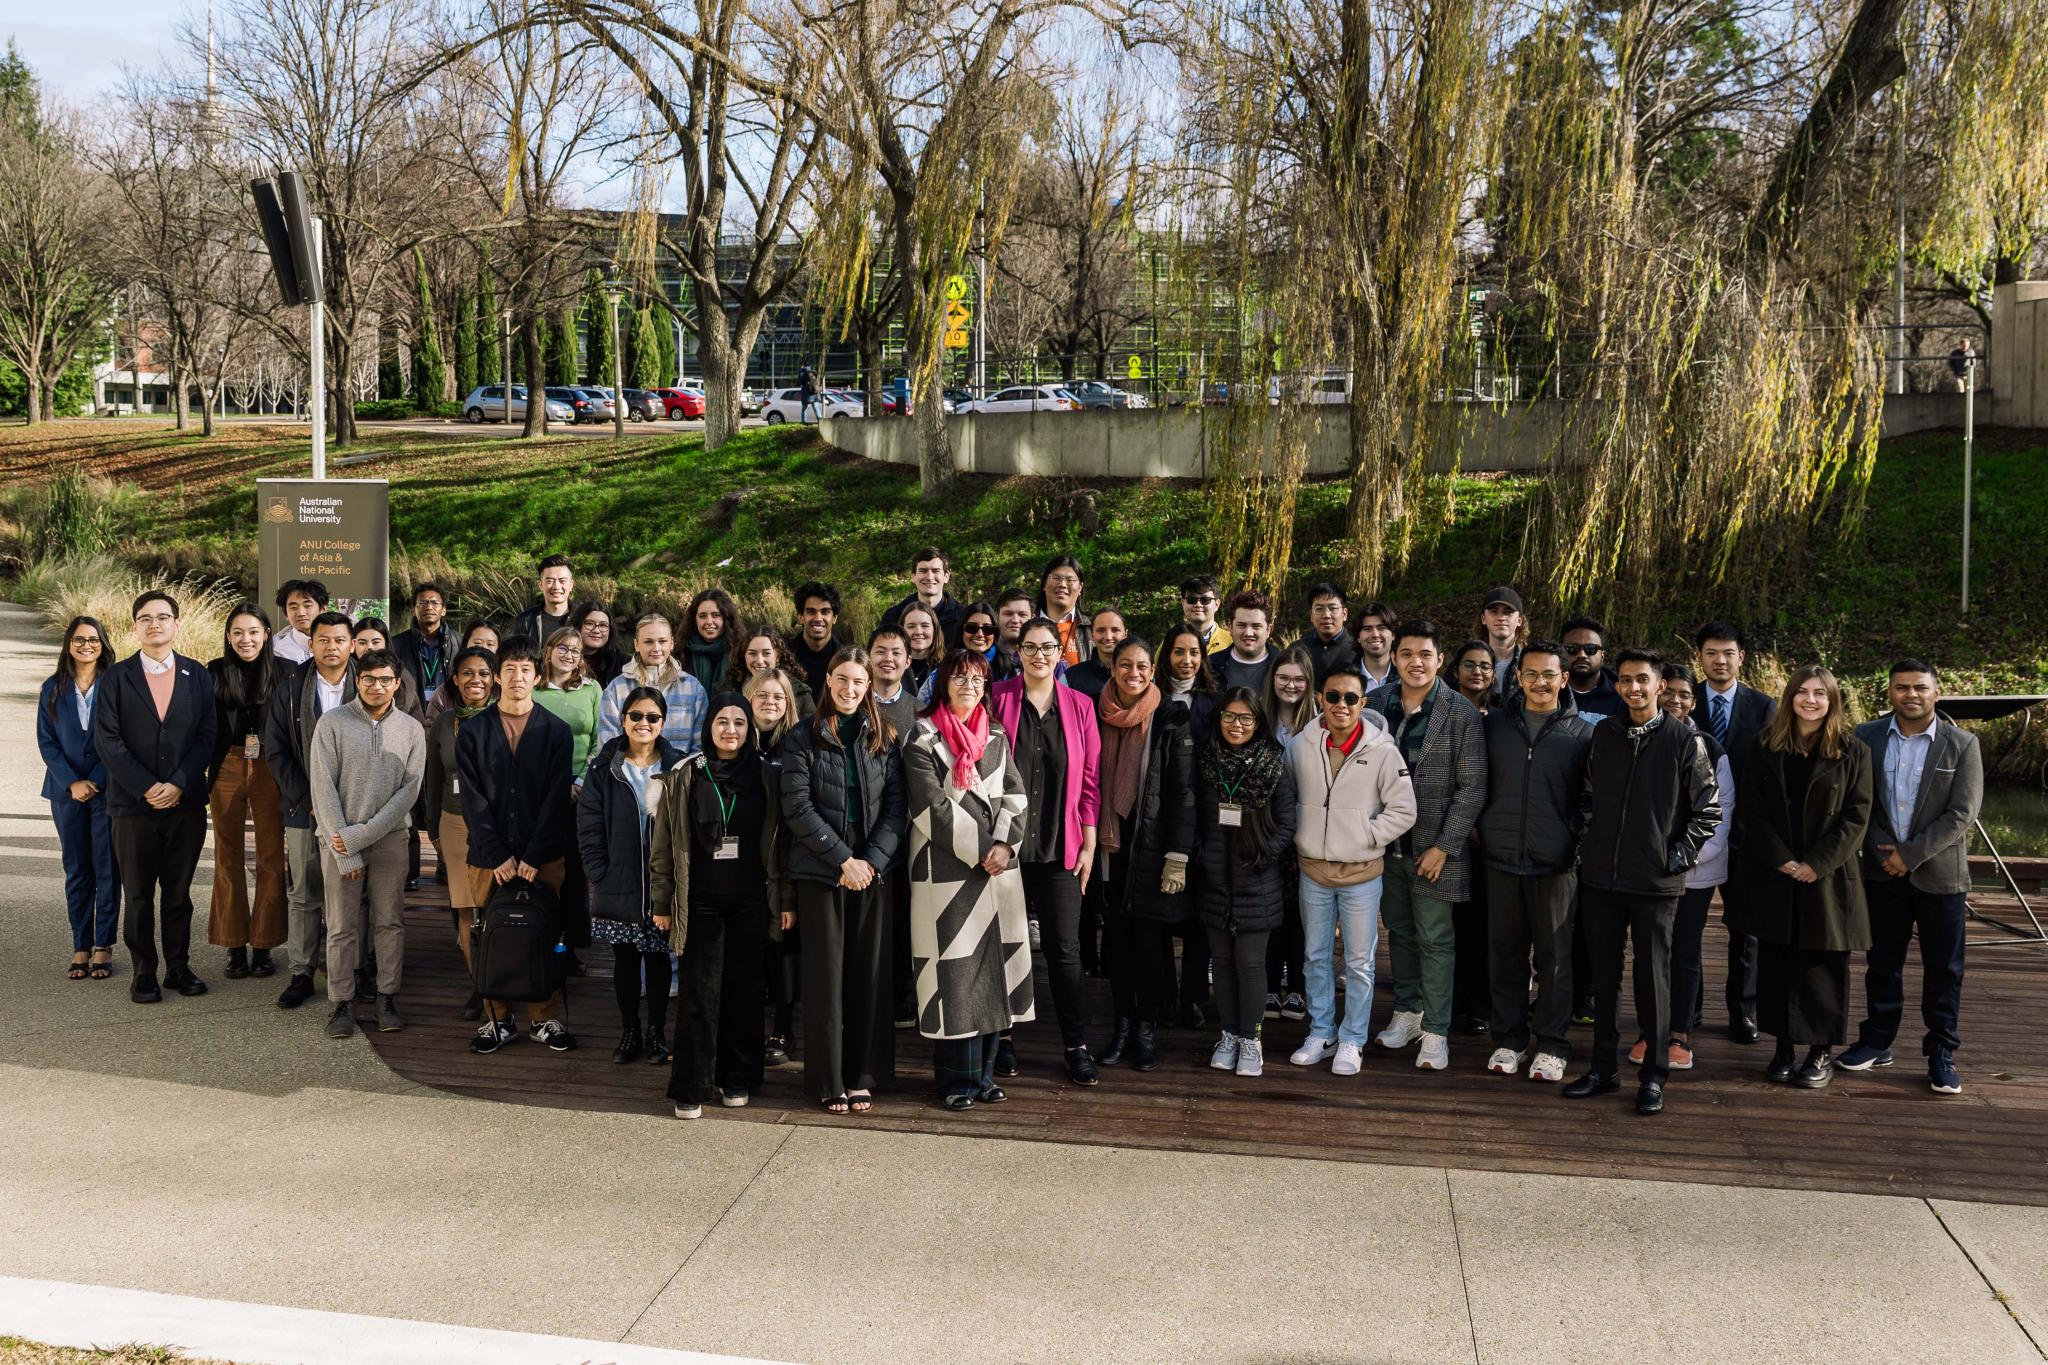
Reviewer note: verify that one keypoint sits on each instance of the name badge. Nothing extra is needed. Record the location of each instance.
(455, 786)
(1229, 815)
(728, 849)
(252, 747)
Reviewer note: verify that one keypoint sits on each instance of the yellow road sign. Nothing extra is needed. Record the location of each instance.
(1135, 368)
(958, 317)
(956, 287)
(956, 340)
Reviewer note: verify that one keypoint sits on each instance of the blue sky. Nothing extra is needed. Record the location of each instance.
(78, 50)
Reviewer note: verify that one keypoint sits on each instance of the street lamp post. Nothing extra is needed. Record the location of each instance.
(611, 295)
(1969, 444)
(505, 359)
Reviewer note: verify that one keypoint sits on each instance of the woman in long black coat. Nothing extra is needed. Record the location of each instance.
(1245, 815)
(1801, 814)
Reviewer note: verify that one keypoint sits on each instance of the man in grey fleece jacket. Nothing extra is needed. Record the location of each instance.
(365, 763)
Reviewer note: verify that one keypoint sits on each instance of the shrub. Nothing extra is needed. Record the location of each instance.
(59, 589)
(74, 514)
(398, 409)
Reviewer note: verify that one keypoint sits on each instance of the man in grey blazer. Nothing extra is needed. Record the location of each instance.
(1734, 713)
(1929, 780)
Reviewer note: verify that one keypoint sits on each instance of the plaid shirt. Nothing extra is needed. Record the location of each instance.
(686, 698)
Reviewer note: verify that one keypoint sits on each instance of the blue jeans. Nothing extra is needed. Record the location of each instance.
(92, 890)
(1320, 906)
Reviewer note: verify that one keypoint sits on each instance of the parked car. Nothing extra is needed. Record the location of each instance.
(958, 399)
(786, 405)
(678, 404)
(750, 402)
(1097, 393)
(1027, 398)
(645, 405)
(602, 404)
(486, 403)
(1331, 387)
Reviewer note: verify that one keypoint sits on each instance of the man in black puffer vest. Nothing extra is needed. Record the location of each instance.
(1650, 803)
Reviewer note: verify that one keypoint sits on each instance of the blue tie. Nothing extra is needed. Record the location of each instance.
(1717, 718)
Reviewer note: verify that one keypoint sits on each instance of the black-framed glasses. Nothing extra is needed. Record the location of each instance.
(92, 640)
(375, 680)
(1584, 651)
(1236, 718)
(1336, 698)
(1207, 600)
(644, 717)
(1043, 651)
(1475, 665)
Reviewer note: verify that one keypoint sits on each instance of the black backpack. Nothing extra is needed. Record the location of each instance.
(515, 948)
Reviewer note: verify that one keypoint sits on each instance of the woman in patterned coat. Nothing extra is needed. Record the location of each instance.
(969, 942)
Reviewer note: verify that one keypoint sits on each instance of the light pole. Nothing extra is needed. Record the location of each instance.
(1969, 442)
(612, 294)
(505, 358)
(316, 380)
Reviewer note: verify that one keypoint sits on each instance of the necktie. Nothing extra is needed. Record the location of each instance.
(1718, 718)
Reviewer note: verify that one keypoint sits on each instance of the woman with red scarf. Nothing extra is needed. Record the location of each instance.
(970, 949)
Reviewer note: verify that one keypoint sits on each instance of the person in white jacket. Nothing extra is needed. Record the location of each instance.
(1678, 697)
(1355, 799)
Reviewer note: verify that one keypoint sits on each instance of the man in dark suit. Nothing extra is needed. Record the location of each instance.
(1734, 714)
(1929, 781)
(154, 730)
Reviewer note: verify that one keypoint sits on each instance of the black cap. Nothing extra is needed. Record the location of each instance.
(1502, 594)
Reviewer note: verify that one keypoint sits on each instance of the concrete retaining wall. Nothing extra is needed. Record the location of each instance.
(1178, 442)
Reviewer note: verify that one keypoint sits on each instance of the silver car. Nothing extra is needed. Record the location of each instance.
(486, 403)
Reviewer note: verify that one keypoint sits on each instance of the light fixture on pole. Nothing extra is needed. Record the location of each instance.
(613, 292)
(505, 354)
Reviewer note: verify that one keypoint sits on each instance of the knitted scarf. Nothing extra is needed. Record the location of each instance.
(967, 740)
(1245, 777)
(1125, 729)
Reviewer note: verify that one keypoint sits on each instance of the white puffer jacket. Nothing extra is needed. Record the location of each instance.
(1357, 815)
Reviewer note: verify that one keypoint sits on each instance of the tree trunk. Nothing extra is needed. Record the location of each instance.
(206, 400)
(341, 360)
(870, 336)
(34, 406)
(181, 404)
(536, 377)
(724, 364)
(922, 318)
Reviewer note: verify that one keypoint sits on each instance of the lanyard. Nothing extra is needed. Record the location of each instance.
(725, 807)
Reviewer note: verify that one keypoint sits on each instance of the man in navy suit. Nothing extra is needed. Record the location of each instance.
(1734, 714)
(154, 729)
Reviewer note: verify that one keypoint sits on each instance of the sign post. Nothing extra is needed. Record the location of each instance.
(292, 236)
(335, 530)
(1969, 443)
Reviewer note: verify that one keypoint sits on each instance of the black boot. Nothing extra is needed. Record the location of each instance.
(629, 1045)
(657, 1047)
(238, 963)
(1145, 1043)
(260, 963)
(1781, 1062)
(1119, 1044)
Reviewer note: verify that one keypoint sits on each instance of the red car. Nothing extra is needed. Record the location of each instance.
(681, 403)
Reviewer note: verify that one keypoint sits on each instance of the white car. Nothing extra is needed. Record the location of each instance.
(786, 405)
(1026, 398)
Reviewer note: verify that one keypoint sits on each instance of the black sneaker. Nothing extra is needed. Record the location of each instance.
(493, 1036)
(776, 1051)
(342, 1023)
(238, 963)
(297, 992)
(553, 1036)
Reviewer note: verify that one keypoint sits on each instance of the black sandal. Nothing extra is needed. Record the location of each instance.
(100, 971)
(861, 1101)
(838, 1104)
(77, 971)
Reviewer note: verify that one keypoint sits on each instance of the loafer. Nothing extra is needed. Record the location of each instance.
(296, 992)
(143, 990)
(1650, 1097)
(185, 984)
(1941, 1074)
(1081, 1068)
(1742, 1029)
(1782, 1064)
(342, 1023)
(1590, 1084)
(1863, 1056)
(1006, 1058)
(1816, 1071)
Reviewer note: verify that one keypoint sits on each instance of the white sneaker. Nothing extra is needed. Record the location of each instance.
(1435, 1054)
(1506, 1061)
(1251, 1057)
(1225, 1055)
(689, 1111)
(733, 1099)
(1312, 1051)
(1404, 1028)
(1347, 1060)
(1548, 1066)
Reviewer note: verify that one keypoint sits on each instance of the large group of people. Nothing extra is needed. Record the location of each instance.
(767, 821)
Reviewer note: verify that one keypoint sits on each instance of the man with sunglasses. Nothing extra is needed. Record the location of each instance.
(1199, 598)
(1429, 869)
(1585, 659)
(366, 763)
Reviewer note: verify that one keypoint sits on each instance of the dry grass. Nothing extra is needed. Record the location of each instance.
(100, 587)
(15, 1351)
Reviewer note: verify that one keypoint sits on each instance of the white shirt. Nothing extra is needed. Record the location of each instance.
(84, 700)
(150, 665)
(291, 646)
(330, 694)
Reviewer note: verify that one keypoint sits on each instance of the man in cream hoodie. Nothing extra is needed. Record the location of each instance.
(1355, 800)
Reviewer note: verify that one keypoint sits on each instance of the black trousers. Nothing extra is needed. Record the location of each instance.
(1530, 917)
(1688, 961)
(849, 1034)
(1741, 990)
(1610, 919)
(902, 975)
(1119, 955)
(1284, 950)
(1897, 908)
(1582, 962)
(1240, 959)
(627, 962)
(1054, 897)
(1471, 993)
(1194, 966)
(1151, 968)
(157, 853)
(718, 1020)
(1802, 994)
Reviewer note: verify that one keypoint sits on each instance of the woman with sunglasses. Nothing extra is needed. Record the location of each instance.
(1144, 840)
(242, 792)
(1245, 817)
(768, 696)
(842, 798)
(1471, 673)
(75, 785)
(979, 634)
(472, 680)
(616, 814)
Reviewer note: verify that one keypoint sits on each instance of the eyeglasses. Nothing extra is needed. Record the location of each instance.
(1063, 580)
(1237, 719)
(1475, 666)
(644, 717)
(571, 651)
(1548, 675)
(1043, 651)
(1584, 651)
(375, 680)
(977, 628)
(1336, 698)
(86, 641)
(971, 682)
(155, 618)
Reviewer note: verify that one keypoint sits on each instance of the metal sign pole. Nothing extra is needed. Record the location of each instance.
(1969, 441)
(316, 323)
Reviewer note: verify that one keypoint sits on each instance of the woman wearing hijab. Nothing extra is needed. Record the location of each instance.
(842, 799)
(717, 893)
(241, 791)
(969, 945)
(1144, 841)
(471, 682)
(712, 641)
(615, 814)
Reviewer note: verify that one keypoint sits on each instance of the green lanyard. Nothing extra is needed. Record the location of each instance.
(725, 807)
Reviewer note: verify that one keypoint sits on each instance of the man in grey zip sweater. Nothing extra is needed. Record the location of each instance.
(365, 763)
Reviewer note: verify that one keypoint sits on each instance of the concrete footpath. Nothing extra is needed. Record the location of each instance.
(224, 1149)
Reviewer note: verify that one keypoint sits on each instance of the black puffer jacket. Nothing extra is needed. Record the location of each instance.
(1231, 890)
(608, 834)
(1162, 821)
(814, 805)
(1536, 768)
(1651, 802)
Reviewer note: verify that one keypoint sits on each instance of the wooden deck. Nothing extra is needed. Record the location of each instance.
(1882, 1132)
